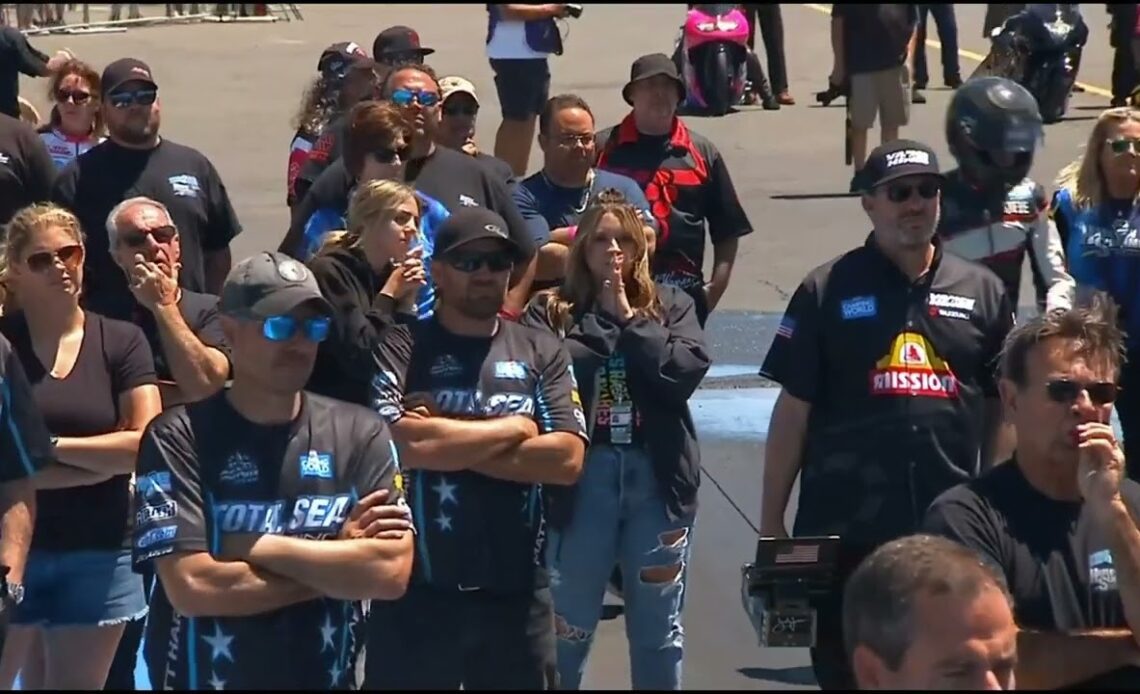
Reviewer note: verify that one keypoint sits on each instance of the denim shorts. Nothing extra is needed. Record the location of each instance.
(96, 588)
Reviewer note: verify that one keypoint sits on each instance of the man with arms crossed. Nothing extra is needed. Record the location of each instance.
(486, 411)
(25, 447)
(924, 613)
(1059, 519)
(262, 507)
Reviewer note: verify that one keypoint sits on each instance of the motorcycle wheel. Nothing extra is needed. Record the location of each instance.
(718, 86)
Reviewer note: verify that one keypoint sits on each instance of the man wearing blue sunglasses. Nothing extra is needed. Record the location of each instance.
(270, 514)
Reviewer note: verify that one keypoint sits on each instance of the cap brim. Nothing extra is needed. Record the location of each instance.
(628, 88)
(896, 175)
(453, 92)
(116, 86)
(284, 301)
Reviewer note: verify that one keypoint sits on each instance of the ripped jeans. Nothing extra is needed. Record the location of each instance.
(619, 517)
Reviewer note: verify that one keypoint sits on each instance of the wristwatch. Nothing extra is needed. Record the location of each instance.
(15, 592)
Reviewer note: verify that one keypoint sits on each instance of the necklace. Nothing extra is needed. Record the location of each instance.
(587, 190)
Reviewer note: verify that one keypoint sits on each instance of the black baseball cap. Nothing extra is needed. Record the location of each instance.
(125, 70)
(893, 160)
(396, 40)
(473, 224)
(649, 66)
(339, 58)
(269, 284)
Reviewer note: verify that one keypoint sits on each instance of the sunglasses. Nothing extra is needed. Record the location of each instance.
(404, 97)
(1066, 391)
(141, 97)
(471, 262)
(469, 110)
(68, 255)
(901, 192)
(1123, 145)
(387, 155)
(78, 98)
(160, 235)
(283, 328)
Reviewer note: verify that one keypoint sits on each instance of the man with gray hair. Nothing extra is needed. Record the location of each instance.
(924, 612)
(185, 334)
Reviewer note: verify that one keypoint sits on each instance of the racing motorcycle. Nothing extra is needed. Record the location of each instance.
(1041, 53)
(711, 57)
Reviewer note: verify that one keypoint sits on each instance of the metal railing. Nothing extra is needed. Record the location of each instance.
(75, 18)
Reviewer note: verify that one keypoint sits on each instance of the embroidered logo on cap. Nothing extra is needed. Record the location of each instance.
(495, 229)
(292, 271)
(908, 156)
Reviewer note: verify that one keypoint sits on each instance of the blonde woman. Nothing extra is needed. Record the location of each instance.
(639, 353)
(76, 122)
(93, 379)
(375, 270)
(1097, 216)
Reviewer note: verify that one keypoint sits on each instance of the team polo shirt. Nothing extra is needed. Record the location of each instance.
(204, 471)
(896, 372)
(476, 531)
(686, 183)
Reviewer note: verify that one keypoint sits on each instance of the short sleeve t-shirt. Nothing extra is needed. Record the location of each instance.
(25, 445)
(113, 360)
(199, 311)
(478, 531)
(547, 206)
(175, 175)
(204, 472)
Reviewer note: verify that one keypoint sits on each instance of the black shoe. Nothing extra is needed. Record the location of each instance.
(917, 97)
(856, 184)
(954, 81)
(919, 85)
(769, 103)
(1077, 89)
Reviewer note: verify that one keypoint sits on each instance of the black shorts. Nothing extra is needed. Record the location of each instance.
(523, 86)
(436, 639)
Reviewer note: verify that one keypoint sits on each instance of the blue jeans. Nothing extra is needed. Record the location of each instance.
(92, 588)
(619, 517)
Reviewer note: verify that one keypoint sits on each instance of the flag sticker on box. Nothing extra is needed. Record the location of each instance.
(799, 554)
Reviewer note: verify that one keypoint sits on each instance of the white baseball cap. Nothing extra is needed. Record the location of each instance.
(456, 85)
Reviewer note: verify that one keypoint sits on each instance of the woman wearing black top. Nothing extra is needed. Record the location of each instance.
(93, 379)
(371, 274)
(639, 353)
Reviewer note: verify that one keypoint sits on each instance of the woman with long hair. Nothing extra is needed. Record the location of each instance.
(345, 77)
(371, 273)
(639, 353)
(1098, 218)
(93, 380)
(76, 121)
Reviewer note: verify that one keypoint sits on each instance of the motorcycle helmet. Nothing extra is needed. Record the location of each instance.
(993, 126)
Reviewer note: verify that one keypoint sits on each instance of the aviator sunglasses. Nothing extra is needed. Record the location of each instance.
(1122, 145)
(68, 255)
(1066, 391)
(138, 239)
(283, 328)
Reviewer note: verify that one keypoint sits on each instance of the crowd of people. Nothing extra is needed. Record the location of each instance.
(411, 446)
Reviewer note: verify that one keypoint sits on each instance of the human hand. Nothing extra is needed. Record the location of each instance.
(1100, 467)
(151, 284)
(374, 517)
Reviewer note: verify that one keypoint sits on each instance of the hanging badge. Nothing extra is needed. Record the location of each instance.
(621, 424)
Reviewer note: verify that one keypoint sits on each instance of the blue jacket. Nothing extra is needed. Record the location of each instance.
(1103, 248)
(329, 219)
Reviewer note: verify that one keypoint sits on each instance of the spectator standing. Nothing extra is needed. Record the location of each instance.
(76, 121)
(136, 160)
(26, 168)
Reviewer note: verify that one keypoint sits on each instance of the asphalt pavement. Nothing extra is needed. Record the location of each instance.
(231, 91)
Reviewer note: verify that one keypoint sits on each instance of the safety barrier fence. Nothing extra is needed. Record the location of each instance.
(82, 18)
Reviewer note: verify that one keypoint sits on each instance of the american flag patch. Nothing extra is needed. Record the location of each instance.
(786, 328)
(799, 554)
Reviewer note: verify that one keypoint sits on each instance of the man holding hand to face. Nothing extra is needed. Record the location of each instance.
(182, 326)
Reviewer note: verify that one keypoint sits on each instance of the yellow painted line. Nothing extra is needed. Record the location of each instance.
(970, 55)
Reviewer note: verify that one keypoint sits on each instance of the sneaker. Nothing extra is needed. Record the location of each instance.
(954, 81)
(917, 97)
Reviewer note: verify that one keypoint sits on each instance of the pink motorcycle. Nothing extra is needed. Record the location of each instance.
(712, 56)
